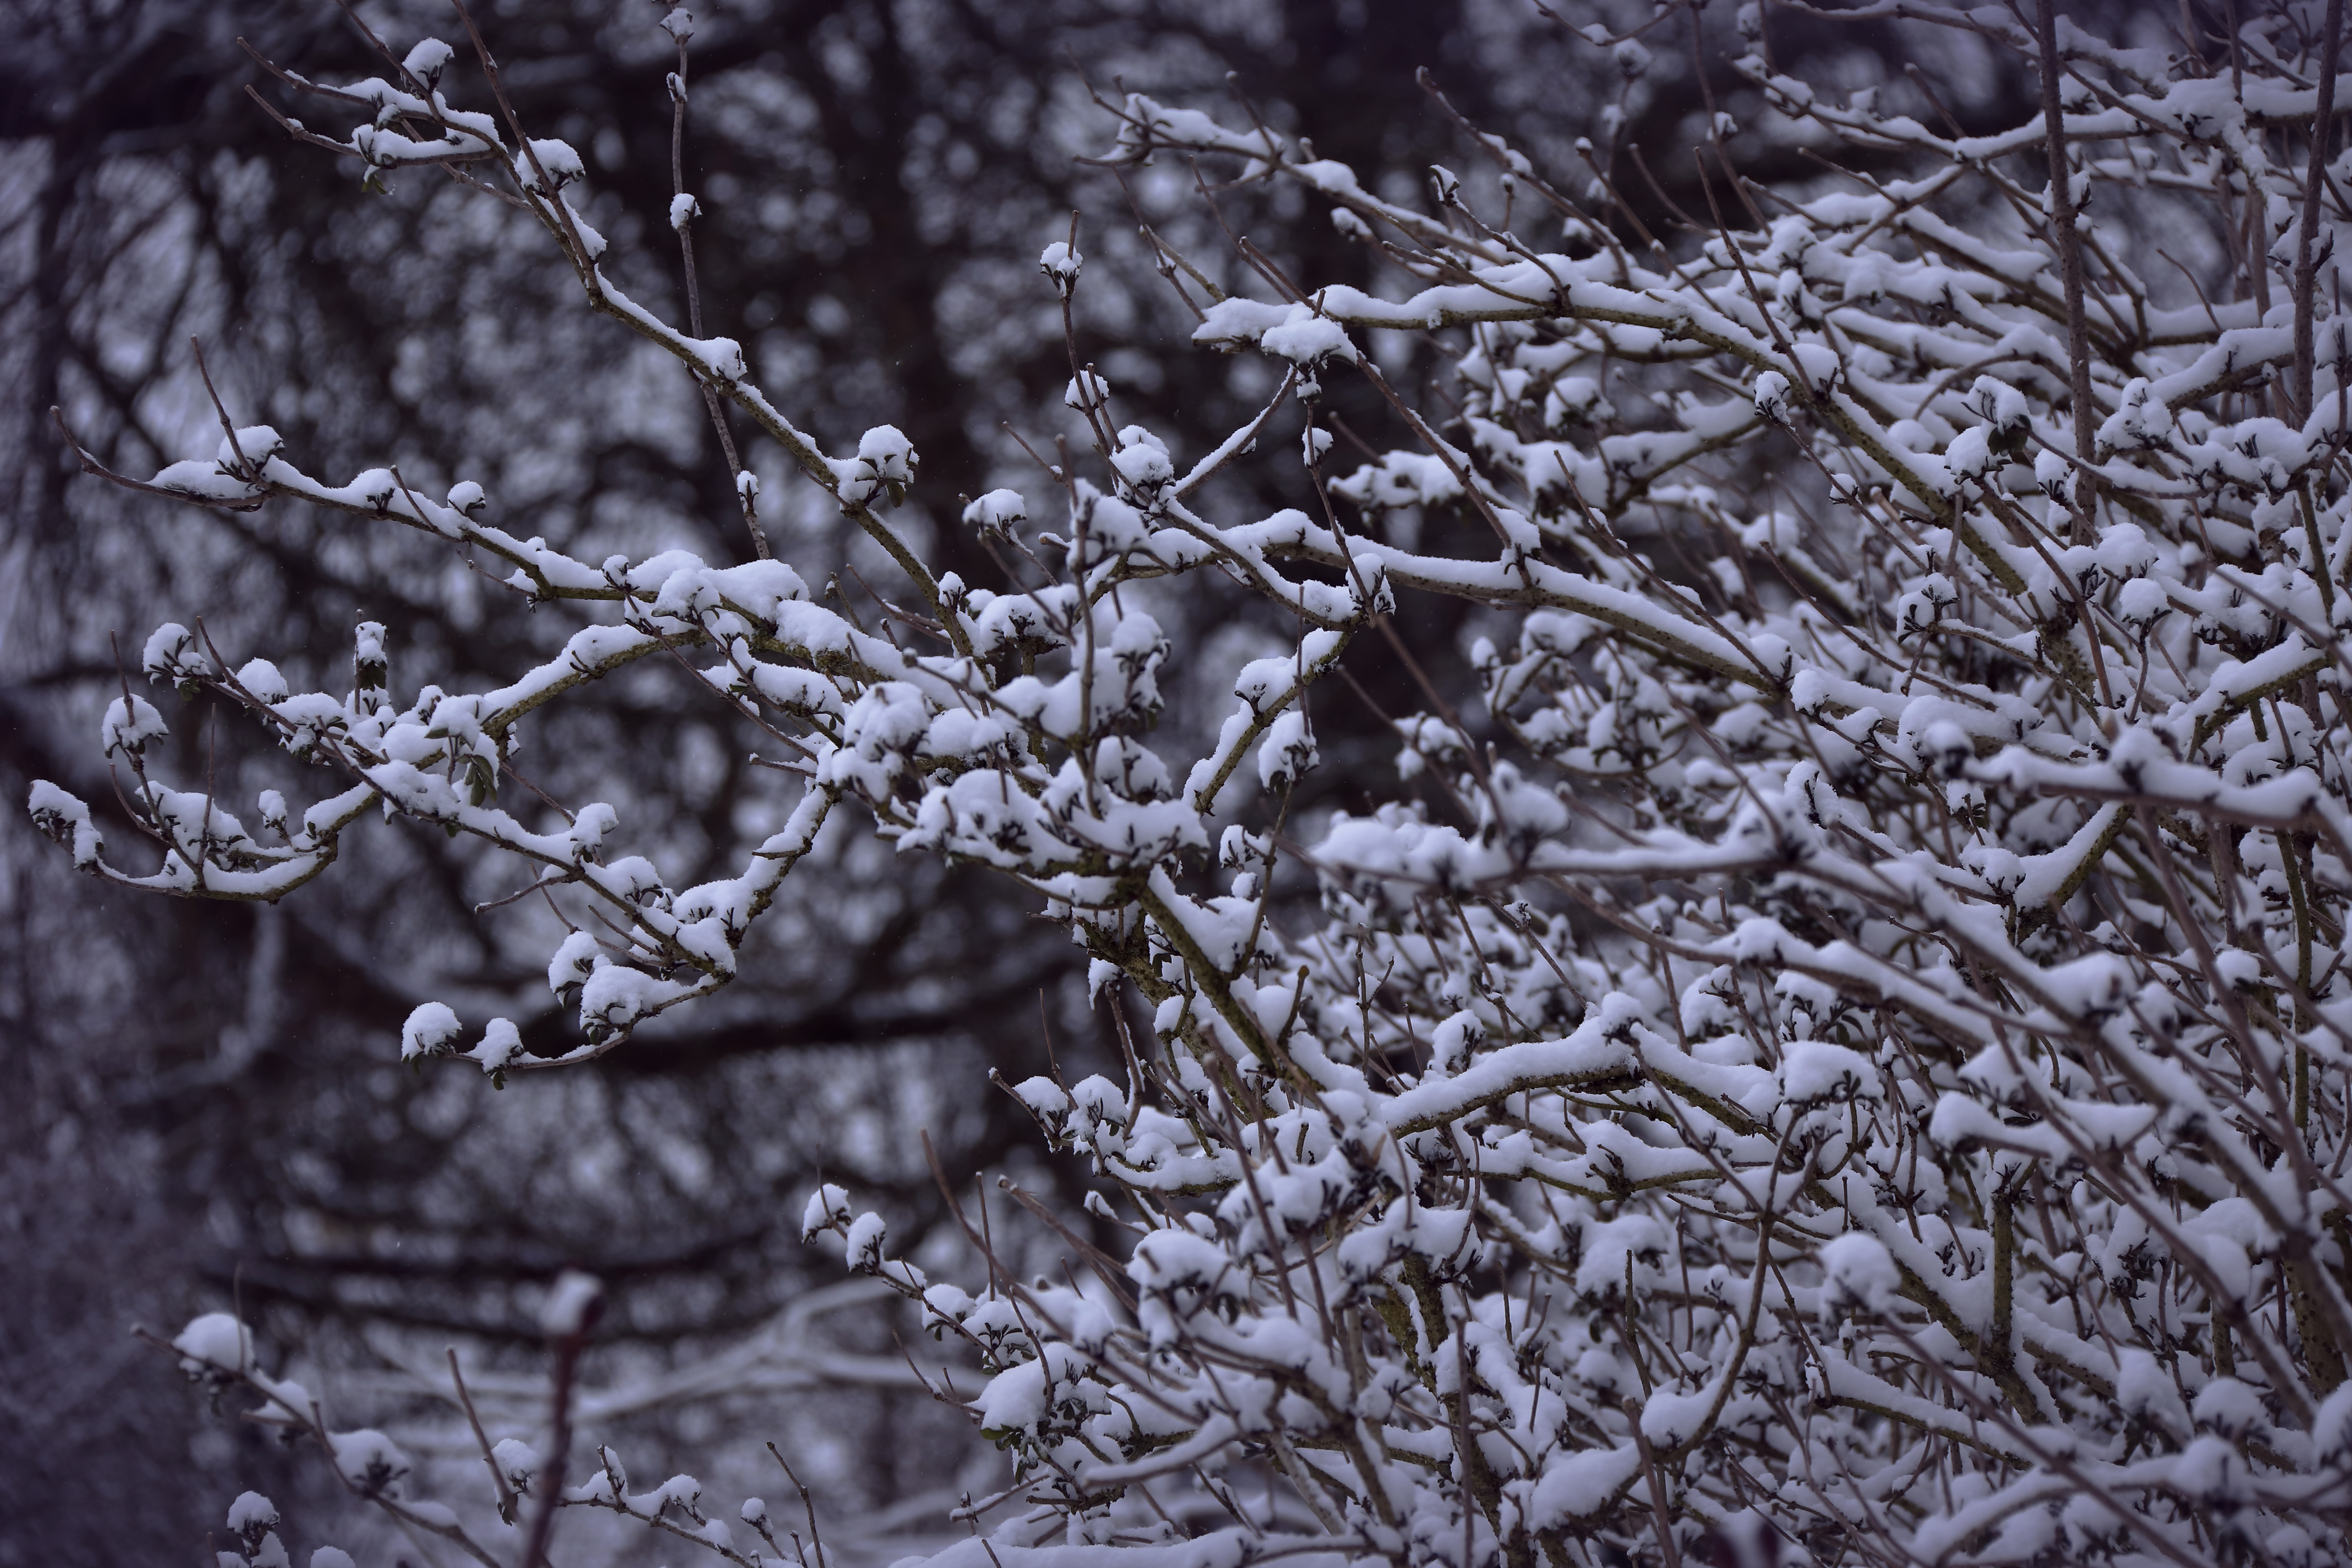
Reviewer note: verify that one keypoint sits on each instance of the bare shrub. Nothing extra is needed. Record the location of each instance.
(1832, 1052)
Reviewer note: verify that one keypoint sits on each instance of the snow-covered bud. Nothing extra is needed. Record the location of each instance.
(2333, 347)
(588, 829)
(432, 1030)
(214, 1349)
(1948, 747)
(573, 1305)
(261, 680)
(65, 819)
(885, 462)
(2140, 602)
(2055, 475)
(2331, 1431)
(370, 1462)
(371, 669)
(1771, 393)
(1971, 456)
(1576, 400)
(1927, 603)
(251, 1517)
(1307, 337)
(1061, 264)
(575, 962)
(2229, 1408)
(500, 1048)
(2142, 423)
(953, 593)
(255, 446)
(1143, 462)
(996, 514)
(1858, 1275)
(1287, 752)
(561, 163)
(828, 1209)
(1998, 404)
(1240, 850)
(867, 1244)
(172, 655)
(1087, 390)
(519, 1463)
(2287, 251)
(426, 61)
(130, 723)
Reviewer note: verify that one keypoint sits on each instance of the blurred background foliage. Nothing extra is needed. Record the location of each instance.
(202, 1103)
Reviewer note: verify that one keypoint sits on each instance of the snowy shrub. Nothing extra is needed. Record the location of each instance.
(1834, 1052)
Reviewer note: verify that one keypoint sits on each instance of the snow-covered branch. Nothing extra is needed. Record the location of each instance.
(1845, 1043)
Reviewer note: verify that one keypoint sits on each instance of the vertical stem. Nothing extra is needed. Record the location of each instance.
(549, 1480)
(2291, 859)
(2306, 271)
(481, 1439)
(2004, 1276)
(1661, 1510)
(2303, 1088)
(745, 496)
(2306, 289)
(2317, 546)
(2070, 256)
(2315, 1325)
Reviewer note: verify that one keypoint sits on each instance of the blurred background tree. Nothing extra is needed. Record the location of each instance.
(202, 1101)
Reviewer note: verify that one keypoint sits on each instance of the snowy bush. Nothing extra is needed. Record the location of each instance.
(1834, 1052)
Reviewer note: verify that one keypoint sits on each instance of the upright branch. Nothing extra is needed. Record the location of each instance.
(2059, 206)
(683, 209)
(2306, 255)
